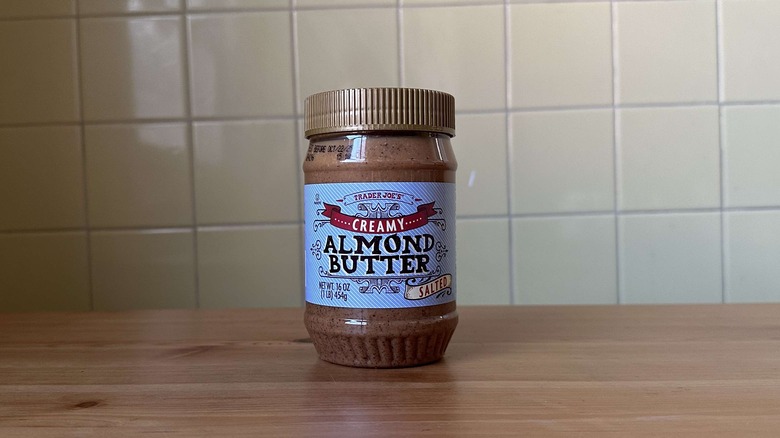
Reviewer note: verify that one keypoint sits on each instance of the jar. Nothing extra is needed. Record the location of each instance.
(379, 208)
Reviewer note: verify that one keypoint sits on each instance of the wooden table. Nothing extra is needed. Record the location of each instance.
(515, 371)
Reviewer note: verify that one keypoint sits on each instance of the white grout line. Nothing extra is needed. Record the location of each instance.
(270, 226)
(296, 69)
(507, 55)
(90, 283)
(160, 230)
(520, 216)
(508, 145)
(345, 7)
(496, 111)
(155, 228)
(54, 123)
(399, 22)
(720, 51)
(616, 169)
(186, 46)
(235, 10)
(38, 17)
(298, 128)
(260, 9)
(720, 81)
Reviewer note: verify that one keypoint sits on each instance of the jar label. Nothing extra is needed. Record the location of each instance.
(380, 245)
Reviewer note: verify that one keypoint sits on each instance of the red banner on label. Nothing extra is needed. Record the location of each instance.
(379, 225)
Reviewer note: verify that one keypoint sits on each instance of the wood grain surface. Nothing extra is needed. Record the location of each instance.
(626, 371)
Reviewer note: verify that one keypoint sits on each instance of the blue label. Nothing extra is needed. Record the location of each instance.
(380, 245)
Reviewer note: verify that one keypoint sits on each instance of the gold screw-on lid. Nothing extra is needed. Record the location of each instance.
(379, 109)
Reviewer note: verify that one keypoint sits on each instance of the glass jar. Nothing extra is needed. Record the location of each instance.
(379, 207)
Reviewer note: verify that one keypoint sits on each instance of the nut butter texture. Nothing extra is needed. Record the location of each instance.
(380, 260)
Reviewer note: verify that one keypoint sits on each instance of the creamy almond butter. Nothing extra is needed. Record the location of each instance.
(379, 204)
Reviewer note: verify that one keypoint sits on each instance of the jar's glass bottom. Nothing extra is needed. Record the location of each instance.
(381, 338)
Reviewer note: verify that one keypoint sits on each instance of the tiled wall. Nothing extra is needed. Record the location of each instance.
(610, 152)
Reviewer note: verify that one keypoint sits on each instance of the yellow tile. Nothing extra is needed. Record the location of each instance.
(439, 54)
(138, 175)
(562, 161)
(480, 148)
(40, 272)
(132, 68)
(751, 156)
(751, 42)
(669, 158)
(565, 260)
(241, 64)
(752, 251)
(250, 267)
(143, 270)
(670, 258)
(41, 178)
(38, 71)
(561, 54)
(245, 172)
(483, 261)
(666, 52)
(366, 62)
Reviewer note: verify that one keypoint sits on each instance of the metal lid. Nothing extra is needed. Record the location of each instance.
(379, 109)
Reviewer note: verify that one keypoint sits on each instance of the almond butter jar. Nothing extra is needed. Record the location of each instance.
(379, 209)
